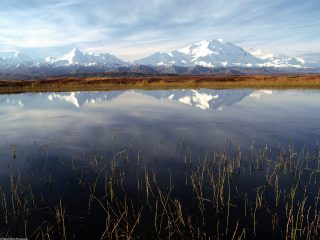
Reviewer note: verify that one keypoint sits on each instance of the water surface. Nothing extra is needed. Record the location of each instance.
(158, 120)
(54, 140)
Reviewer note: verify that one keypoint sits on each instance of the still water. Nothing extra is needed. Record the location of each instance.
(44, 137)
(157, 121)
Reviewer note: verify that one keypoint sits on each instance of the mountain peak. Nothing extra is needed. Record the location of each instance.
(75, 51)
(199, 49)
(75, 56)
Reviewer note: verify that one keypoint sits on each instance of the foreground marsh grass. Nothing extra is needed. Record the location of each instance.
(160, 82)
(267, 193)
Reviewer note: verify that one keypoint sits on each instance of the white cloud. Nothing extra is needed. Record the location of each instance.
(131, 28)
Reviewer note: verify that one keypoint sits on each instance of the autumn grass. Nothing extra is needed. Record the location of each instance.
(63, 84)
(135, 200)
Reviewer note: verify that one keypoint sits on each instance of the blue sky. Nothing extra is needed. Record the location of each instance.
(134, 28)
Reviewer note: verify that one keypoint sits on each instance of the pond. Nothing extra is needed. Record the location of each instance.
(83, 164)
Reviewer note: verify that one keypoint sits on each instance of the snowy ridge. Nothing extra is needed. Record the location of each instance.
(209, 54)
(217, 53)
(76, 57)
(17, 60)
(274, 60)
(73, 58)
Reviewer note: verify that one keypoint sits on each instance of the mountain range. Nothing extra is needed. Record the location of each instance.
(205, 57)
(217, 53)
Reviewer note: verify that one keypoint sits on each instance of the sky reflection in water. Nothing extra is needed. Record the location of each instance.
(156, 122)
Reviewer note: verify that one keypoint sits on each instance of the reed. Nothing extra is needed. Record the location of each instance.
(205, 199)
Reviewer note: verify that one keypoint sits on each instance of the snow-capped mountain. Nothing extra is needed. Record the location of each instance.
(76, 57)
(217, 53)
(70, 59)
(174, 58)
(205, 57)
(276, 60)
(284, 61)
(17, 60)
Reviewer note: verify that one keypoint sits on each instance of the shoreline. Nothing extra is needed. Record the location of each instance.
(66, 84)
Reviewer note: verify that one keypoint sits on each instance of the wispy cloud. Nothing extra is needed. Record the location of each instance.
(131, 28)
